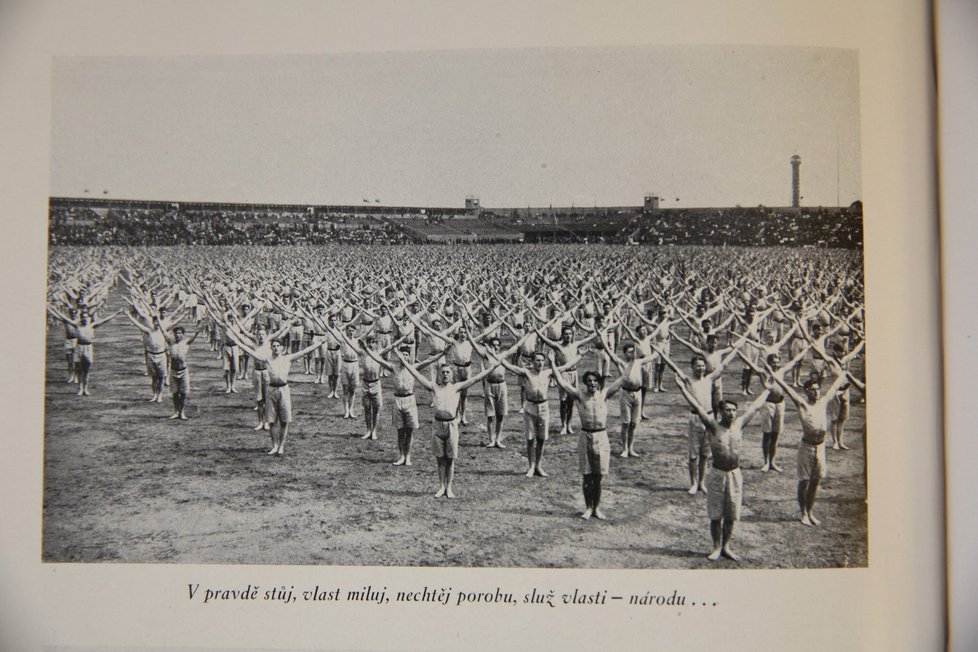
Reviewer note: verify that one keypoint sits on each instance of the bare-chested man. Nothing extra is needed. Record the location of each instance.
(71, 343)
(179, 347)
(448, 398)
(458, 353)
(593, 449)
(349, 370)
(642, 343)
(370, 372)
(372, 394)
(536, 417)
(725, 483)
(331, 357)
(155, 345)
(839, 406)
(566, 349)
(813, 412)
(279, 401)
(494, 391)
(632, 369)
(405, 417)
(700, 386)
(85, 349)
(772, 416)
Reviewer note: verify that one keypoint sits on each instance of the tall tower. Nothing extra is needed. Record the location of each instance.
(795, 181)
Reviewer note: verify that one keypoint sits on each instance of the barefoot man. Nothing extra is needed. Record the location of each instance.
(629, 401)
(565, 349)
(155, 345)
(593, 449)
(700, 386)
(813, 412)
(85, 349)
(279, 398)
(405, 418)
(536, 418)
(494, 391)
(447, 401)
(179, 347)
(725, 484)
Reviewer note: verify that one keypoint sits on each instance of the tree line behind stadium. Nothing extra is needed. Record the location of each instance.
(117, 222)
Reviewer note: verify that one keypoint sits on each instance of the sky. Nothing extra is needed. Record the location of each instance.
(698, 126)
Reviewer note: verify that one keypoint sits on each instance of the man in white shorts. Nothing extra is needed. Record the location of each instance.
(630, 397)
(813, 413)
(179, 347)
(701, 387)
(593, 449)
(279, 399)
(405, 413)
(536, 415)
(494, 391)
(448, 396)
(725, 483)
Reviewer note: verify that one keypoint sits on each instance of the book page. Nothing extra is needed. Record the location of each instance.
(650, 148)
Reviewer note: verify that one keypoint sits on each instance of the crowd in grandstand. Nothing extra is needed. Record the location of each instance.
(154, 227)
(757, 226)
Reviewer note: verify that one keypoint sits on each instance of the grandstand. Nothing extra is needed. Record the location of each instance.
(74, 221)
(436, 230)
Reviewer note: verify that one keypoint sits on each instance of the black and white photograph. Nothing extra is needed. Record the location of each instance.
(586, 308)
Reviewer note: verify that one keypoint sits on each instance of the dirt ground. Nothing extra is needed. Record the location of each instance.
(123, 483)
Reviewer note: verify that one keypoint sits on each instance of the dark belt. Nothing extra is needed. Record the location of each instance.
(537, 402)
(403, 395)
(332, 348)
(497, 382)
(261, 366)
(384, 332)
(629, 389)
(71, 338)
(589, 431)
(353, 360)
(720, 468)
(778, 401)
(279, 385)
(172, 368)
(697, 413)
(155, 352)
(445, 420)
(370, 381)
(462, 364)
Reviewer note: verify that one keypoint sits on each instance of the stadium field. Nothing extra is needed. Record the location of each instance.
(123, 483)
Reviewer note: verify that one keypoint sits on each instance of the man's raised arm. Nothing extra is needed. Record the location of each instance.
(756, 403)
(430, 386)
